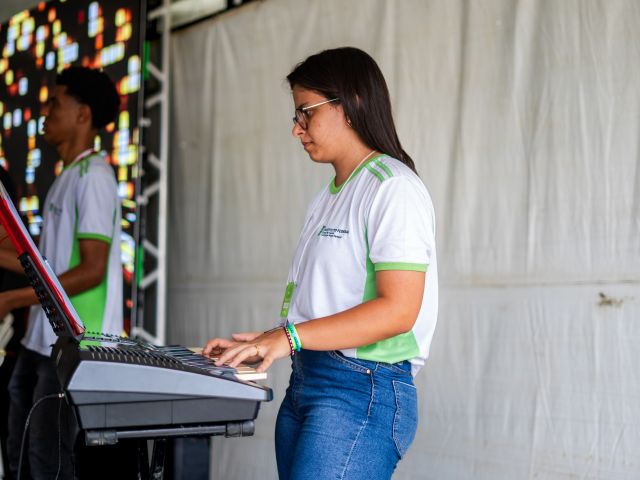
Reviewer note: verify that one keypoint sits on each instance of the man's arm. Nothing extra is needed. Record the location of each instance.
(9, 260)
(94, 255)
(8, 254)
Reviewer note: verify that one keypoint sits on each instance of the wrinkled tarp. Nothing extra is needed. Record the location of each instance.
(523, 120)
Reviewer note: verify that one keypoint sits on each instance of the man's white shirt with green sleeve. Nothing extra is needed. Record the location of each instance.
(82, 203)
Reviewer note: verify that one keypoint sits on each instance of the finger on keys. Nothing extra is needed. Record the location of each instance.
(266, 363)
(246, 352)
(230, 353)
(216, 344)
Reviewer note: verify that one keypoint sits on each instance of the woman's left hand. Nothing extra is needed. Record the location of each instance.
(268, 346)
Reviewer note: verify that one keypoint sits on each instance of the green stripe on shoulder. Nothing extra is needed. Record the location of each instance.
(415, 267)
(386, 169)
(94, 236)
(84, 166)
(377, 174)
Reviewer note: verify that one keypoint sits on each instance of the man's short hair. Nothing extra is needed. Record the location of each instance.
(95, 89)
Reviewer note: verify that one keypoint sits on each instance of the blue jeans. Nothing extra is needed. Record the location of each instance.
(49, 445)
(344, 418)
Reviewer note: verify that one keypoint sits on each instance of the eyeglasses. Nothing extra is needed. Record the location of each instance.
(302, 117)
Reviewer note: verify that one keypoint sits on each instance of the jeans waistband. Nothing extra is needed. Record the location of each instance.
(316, 359)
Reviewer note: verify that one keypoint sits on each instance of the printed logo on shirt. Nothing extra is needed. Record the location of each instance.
(333, 232)
(53, 208)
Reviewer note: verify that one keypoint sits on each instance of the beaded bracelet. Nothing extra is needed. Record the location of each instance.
(288, 335)
(293, 333)
(292, 339)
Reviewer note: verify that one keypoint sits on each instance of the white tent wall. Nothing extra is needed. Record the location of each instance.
(523, 120)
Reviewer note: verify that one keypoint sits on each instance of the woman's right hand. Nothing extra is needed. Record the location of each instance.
(216, 346)
(263, 347)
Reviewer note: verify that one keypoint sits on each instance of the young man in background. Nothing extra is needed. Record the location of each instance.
(81, 240)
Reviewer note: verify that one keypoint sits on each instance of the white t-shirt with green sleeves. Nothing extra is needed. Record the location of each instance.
(82, 203)
(381, 219)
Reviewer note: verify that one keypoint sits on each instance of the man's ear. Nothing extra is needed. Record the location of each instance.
(84, 114)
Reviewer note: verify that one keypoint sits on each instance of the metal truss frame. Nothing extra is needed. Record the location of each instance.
(148, 317)
(150, 323)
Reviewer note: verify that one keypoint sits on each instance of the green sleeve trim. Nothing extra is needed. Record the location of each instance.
(94, 236)
(416, 267)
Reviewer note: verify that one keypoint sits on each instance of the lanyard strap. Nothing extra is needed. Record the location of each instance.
(81, 155)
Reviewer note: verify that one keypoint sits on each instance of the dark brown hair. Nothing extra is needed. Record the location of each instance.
(353, 77)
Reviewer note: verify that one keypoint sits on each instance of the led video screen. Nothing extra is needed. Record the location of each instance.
(34, 46)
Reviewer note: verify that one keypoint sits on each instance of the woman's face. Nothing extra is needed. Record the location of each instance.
(326, 132)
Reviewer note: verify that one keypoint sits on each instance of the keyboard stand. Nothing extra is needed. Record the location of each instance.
(156, 468)
(160, 438)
